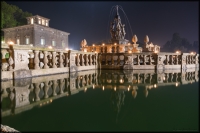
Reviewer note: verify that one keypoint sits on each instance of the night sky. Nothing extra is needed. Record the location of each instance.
(91, 20)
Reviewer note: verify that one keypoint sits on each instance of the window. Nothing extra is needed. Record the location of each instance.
(63, 44)
(42, 41)
(31, 20)
(39, 21)
(43, 22)
(53, 43)
(18, 41)
(46, 23)
(27, 40)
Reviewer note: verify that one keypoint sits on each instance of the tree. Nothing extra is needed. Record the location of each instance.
(177, 43)
(12, 16)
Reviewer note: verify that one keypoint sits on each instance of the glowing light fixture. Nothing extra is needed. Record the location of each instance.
(10, 43)
(66, 49)
(176, 84)
(50, 47)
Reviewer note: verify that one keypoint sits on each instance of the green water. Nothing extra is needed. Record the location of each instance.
(128, 107)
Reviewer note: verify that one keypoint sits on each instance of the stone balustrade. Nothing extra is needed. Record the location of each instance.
(22, 61)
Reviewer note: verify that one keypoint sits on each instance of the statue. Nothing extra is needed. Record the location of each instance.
(83, 43)
(123, 31)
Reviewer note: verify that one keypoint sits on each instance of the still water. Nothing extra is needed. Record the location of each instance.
(103, 101)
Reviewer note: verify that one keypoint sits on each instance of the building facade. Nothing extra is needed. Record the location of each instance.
(38, 33)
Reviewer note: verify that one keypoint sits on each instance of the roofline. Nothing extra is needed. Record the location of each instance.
(33, 26)
(37, 16)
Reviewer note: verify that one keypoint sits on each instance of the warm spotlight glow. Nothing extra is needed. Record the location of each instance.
(176, 84)
(177, 52)
(93, 86)
(154, 85)
(50, 47)
(31, 45)
(115, 44)
(103, 88)
(128, 88)
(85, 89)
(50, 100)
(103, 44)
(128, 43)
(192, 53)
(66, 49)
(129, 51)
(121, 81)
(163, 78)
(10, 43)
(93, 45)
(115, 88)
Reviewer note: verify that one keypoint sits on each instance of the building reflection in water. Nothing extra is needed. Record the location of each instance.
(21, 95)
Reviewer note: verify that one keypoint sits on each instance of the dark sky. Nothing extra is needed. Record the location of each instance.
(89, 20)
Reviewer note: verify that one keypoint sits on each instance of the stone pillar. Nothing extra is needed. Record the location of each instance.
(150, 60)
(37, 91)
(83, 60)
(46, 88)
(10, 62)
(167, 60)
(60, 60)
(138, 59)
(90, 59)
(176, 59)
(191, 59)
(54, 60)
(118, 60)
(78, 60)
(45, 60)
(54, 87)
(106, 59)
(78, 82)
(36, 60)
(172, 60)
(61, 85)
(144, 59)
(86, 59)
(112, 58)
(66, 60)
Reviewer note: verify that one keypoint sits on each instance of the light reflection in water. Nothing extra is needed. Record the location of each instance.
(41, 91)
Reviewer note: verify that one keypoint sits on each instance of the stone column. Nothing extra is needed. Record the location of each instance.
(54, 60)
(167, 60)
(176, 59)
(172, 60)
(144, 59)
(54, 87)
(36, 60)
(83, 60)
(10, 62)
(60, 60)
(90, 59)
(78, 60)
(78, 82)
(45, 60)
(138, 59)
(61, 85)
(118, 60)
(66, 60)
(46, 88)
(86, 59)
(191, 59)
(37, 91)
(106, 59)
(112, 58)
(150, 63)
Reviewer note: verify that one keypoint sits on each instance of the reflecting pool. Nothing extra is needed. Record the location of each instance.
(105, 100)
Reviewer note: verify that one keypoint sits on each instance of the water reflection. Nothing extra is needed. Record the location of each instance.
(21, 95)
